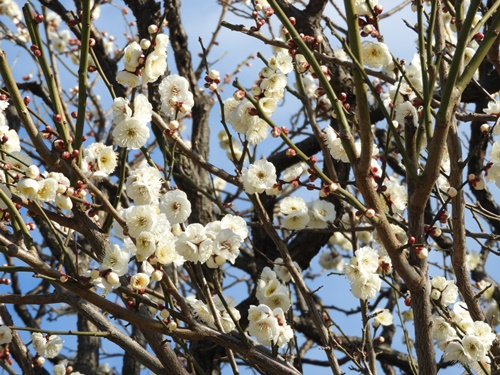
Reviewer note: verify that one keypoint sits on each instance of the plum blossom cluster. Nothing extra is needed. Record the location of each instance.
(155, 237)
(146, 60)
(271, 291)
(202, 312)
(363, 272)
(99, 160)
(176, 98)
(267, 321)
(213, 244)
(443, 291)
(46, 346)
(269, 326)
(268, 91)
(297, 214)
(462, 339)
(53, 187)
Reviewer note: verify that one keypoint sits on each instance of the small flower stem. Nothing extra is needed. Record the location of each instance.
(69, 333)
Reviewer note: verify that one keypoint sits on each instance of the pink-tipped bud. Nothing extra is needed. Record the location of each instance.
(370, 213)
(152, 29)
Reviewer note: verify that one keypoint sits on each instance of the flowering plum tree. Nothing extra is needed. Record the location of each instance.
(133, 234)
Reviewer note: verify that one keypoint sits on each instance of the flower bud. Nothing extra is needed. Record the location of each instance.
(165, 313)
(452, 192)
(370, 213)
(145, 44)
(32, 172)
(94, 274)
(152, 29)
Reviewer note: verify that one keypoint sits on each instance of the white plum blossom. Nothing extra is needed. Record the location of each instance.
(321, 213)
(146, 245)
(176, 206)
(375, 54)
(99, 160)
(271, 292)
(406, 110)
(131, 130)
(364, 7)
(127, 78)
(28, 188)
(193, 244)
(131, 55)
(47, 189)
(263, 325)
(156, 62)
(176, 98)
(131, 133)
(268, 325)
(493, 108)
(143, 184)
(282, 271)
(46, 346)
(362, 270)
(282, 61)
(382, 317)
(141, 218)
(115, 259)
(5, 335)
(258, 177)
(139, 281)
(444, 291)
(295, 211)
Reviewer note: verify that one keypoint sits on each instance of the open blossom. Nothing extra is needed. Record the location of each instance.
(259, 176)
(493, 108)
(263, 324)
(143, 184)
(364, 7)
(46, 346)
(115, 259)
(5, 335)
(156, 61)
(321, 213)
(131, 55)
(99, 160)
(28, 188)
(382, 317)
(271, 292)
(131, 133)
(139, 281)
(282, 61)
(176, 206)
(375, 54)
(127, 78)
(176, 98)
(141, 218)
(444, 291)
(193, 244)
